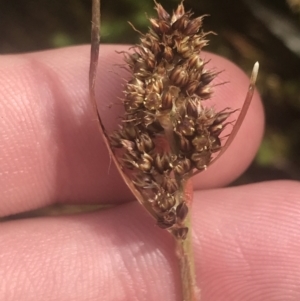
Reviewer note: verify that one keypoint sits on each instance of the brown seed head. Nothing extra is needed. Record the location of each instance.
(168, 131)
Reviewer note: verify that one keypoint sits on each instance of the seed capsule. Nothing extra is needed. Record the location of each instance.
(168, 53)
(160, 26)
(165, 203)
(193, 26)
(186, 126)
(182, 166)
(145, 163)
(207, 77)
(200, 143)
(184, 144)
(179, 12)
(204, 92)
(115, 139)
(179, 76)
(199, 42)
(216, 129)
(180, 23)
(215, 144)
(201, 160)
(135, 85)
(144, 181)
(167, 220)
(169, 184)
(221, 117)
(181, 233)
(134, 97)
(162, 162)
(152, 101)
(181, 212)
(191, 87)
(169, 97)
(129, 160)
(128, 145)
(156, 85)
(140, 68)
(184, 47)
(193, 108)
(195, 62)
(144, 143)
(162, 14)
(129, 132)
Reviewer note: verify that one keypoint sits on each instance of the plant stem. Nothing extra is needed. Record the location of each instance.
(190, 292)
(184, 247)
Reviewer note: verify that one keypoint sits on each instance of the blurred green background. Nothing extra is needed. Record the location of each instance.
(263, 30)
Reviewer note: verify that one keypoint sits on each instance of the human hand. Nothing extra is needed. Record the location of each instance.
(247, 239)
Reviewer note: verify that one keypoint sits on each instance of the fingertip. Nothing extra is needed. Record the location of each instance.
(247, 241)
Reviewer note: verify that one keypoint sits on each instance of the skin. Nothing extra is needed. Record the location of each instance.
(246, 238)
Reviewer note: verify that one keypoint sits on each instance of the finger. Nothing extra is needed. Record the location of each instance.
(249, 243)
(52, 150)
(246, 242)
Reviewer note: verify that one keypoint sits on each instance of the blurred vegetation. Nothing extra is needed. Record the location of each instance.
(248, 30)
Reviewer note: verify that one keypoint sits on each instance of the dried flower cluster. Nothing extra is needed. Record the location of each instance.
(167, 132)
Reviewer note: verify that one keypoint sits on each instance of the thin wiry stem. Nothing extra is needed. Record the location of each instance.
(95, 42)
(244, 111)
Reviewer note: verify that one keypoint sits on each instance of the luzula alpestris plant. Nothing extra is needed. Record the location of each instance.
(167, 133)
